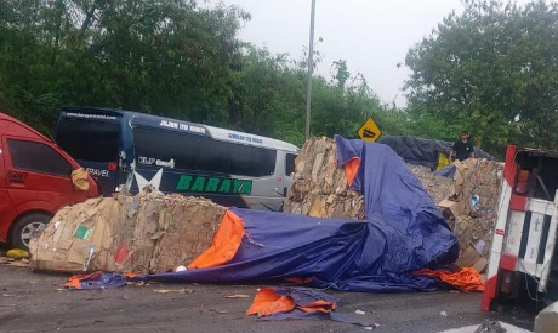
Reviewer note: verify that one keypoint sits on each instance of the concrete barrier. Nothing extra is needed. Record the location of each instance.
(547, 320)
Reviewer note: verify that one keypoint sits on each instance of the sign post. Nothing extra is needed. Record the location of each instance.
(369, 132)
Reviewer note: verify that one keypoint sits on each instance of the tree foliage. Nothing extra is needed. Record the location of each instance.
(166, 57)
(493, 70)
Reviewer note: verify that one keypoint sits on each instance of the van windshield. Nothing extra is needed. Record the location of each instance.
(89, 140)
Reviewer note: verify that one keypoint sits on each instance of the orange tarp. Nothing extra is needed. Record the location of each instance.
(267, 302)
(466, 279)
(318, 306)
(224, 245)
(74, 282)
(351, 169)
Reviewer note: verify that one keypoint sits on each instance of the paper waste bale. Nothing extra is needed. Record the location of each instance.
(320, 188)
(473, 215)
(143, 233)
(438, 187)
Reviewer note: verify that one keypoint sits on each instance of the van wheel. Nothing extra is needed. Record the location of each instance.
(28, 227)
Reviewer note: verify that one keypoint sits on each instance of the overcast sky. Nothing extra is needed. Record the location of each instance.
(371, 35)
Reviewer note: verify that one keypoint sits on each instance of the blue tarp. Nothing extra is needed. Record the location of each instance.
(448, 171)
(404, 232)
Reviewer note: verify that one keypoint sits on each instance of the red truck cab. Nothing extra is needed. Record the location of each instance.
(35, 181)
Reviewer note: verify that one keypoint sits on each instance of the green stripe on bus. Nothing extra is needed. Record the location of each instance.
(219, 185)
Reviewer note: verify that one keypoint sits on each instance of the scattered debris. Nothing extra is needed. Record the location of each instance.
(20, 263)
(443, 314)
(238, 296)
(219, 311)
(360, 312)
(96, 281)
(373, 326)
(490, 327)
(180, 291)
(80, 179)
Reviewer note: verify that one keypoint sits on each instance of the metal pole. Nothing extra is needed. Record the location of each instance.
(310, 71)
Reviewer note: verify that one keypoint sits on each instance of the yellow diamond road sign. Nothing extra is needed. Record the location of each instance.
(369, 132)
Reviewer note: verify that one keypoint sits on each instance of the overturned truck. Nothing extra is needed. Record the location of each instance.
(523, 254)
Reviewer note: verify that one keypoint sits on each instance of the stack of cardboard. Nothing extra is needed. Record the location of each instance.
(472, 216)
(144, 233)
(438, 187)
(320, 188)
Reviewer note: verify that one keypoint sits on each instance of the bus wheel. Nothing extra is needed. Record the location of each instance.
(27, 227)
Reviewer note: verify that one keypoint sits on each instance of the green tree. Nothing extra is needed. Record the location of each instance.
(170, 58)
(492, 69)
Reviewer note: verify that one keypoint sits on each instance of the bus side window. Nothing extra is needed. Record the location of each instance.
(199, 153)
(236, 159)
(290, 165)
(154, 144)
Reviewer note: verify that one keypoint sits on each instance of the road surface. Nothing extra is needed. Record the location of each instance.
(31, 302)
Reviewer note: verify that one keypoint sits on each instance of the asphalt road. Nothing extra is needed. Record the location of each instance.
(31, 302)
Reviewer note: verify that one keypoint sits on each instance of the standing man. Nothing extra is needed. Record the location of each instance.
(463, 149)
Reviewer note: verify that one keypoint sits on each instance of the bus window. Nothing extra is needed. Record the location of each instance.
(194, 152)
(290, 165)
(164, 145)
(89, 140)
(236, 159)
(253, 161)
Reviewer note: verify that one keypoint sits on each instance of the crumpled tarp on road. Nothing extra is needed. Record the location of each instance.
(404, 232)
(277, 304)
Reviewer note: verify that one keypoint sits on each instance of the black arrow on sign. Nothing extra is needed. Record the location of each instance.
(369, 134)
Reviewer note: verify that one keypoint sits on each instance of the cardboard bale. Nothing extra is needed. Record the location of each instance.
(144, 233)
(439, 188)
(472, 214)
(326, 206)
(320, 188)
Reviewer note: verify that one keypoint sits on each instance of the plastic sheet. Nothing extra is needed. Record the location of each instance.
(404, 232)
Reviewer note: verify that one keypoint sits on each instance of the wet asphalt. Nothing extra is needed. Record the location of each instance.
(31, 302)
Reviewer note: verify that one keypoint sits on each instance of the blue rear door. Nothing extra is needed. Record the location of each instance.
(93, 140)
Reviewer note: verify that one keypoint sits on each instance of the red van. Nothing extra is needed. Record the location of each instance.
(35, 180)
